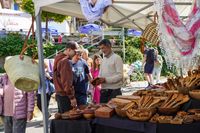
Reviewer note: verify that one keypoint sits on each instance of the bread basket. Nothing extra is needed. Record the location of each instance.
(140, 114)
(195, 94)
(120, 112)
(168, 111)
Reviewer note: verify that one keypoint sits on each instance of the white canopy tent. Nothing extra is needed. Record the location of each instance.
(125, 13)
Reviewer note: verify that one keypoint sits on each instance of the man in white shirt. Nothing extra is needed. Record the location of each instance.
(111, 72)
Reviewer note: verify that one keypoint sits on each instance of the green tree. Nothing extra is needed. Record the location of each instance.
(133, 41)
(133, 54)
(28, 6)
(12, 45)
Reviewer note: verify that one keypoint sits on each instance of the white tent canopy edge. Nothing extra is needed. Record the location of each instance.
(135, 14)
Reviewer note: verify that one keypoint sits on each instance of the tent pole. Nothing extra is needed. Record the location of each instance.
(42, 72)
(124, 48)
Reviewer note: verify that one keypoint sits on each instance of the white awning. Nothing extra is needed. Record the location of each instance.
(125, 13)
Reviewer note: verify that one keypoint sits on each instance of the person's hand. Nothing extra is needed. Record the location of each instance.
(73, 102)
(91, 84)
(157, 62)
(30, 116)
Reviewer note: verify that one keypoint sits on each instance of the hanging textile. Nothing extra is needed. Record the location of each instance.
(93, 10)
(179, 41)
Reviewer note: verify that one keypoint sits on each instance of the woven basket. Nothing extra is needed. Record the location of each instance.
(120, 112)
(141, 118)
(195, 94)
(183, 90)
(150, 33)
(23, 74)
(168, 111)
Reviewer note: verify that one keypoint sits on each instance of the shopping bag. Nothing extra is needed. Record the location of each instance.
(23, 74)
(22, 70)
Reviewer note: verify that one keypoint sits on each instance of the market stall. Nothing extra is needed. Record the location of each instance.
(159, 110)
(123, 15)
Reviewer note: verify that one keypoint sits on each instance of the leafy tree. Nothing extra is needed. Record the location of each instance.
(133, 54)
(12, 45)
(133, 41)
(28, 6)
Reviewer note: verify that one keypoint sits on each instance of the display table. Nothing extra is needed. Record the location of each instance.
(122, 125)
(71, 126)
(118, 125)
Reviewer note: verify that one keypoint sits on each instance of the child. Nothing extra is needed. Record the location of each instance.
(95, 72)
(18, 106)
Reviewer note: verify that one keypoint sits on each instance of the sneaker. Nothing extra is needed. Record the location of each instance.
(148, 87)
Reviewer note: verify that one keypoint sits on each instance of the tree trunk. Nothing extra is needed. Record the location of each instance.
(47, 35)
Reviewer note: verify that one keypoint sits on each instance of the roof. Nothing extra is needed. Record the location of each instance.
(125, 13)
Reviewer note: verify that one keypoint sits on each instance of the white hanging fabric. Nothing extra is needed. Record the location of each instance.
(94, 10)
(179, 41)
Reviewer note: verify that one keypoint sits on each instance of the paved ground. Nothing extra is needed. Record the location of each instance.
(35, 125)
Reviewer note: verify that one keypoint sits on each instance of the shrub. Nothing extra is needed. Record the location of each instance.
(132, 55)
(13, 42)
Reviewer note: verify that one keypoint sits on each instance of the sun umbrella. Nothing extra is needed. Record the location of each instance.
(88, 28)
(132, 32)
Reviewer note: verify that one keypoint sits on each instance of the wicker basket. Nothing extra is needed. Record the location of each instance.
(88, 116)
(168, 111)
(120, 112)
(23, 74)
(197, 117)
(183, 90)
(195, 94)
(151, 112)
(150, 33)
(193, 111)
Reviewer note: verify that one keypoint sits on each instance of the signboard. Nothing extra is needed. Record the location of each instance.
(11, 20)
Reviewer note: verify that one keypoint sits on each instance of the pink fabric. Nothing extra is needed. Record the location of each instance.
(96, 95)
(8, 99)
(175, 26)
(1, 103)
(17, 103)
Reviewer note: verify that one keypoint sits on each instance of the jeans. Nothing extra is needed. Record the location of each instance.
(12, 125)
(108, 94)
(156, 74)
(64, 103)
(81, 99)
